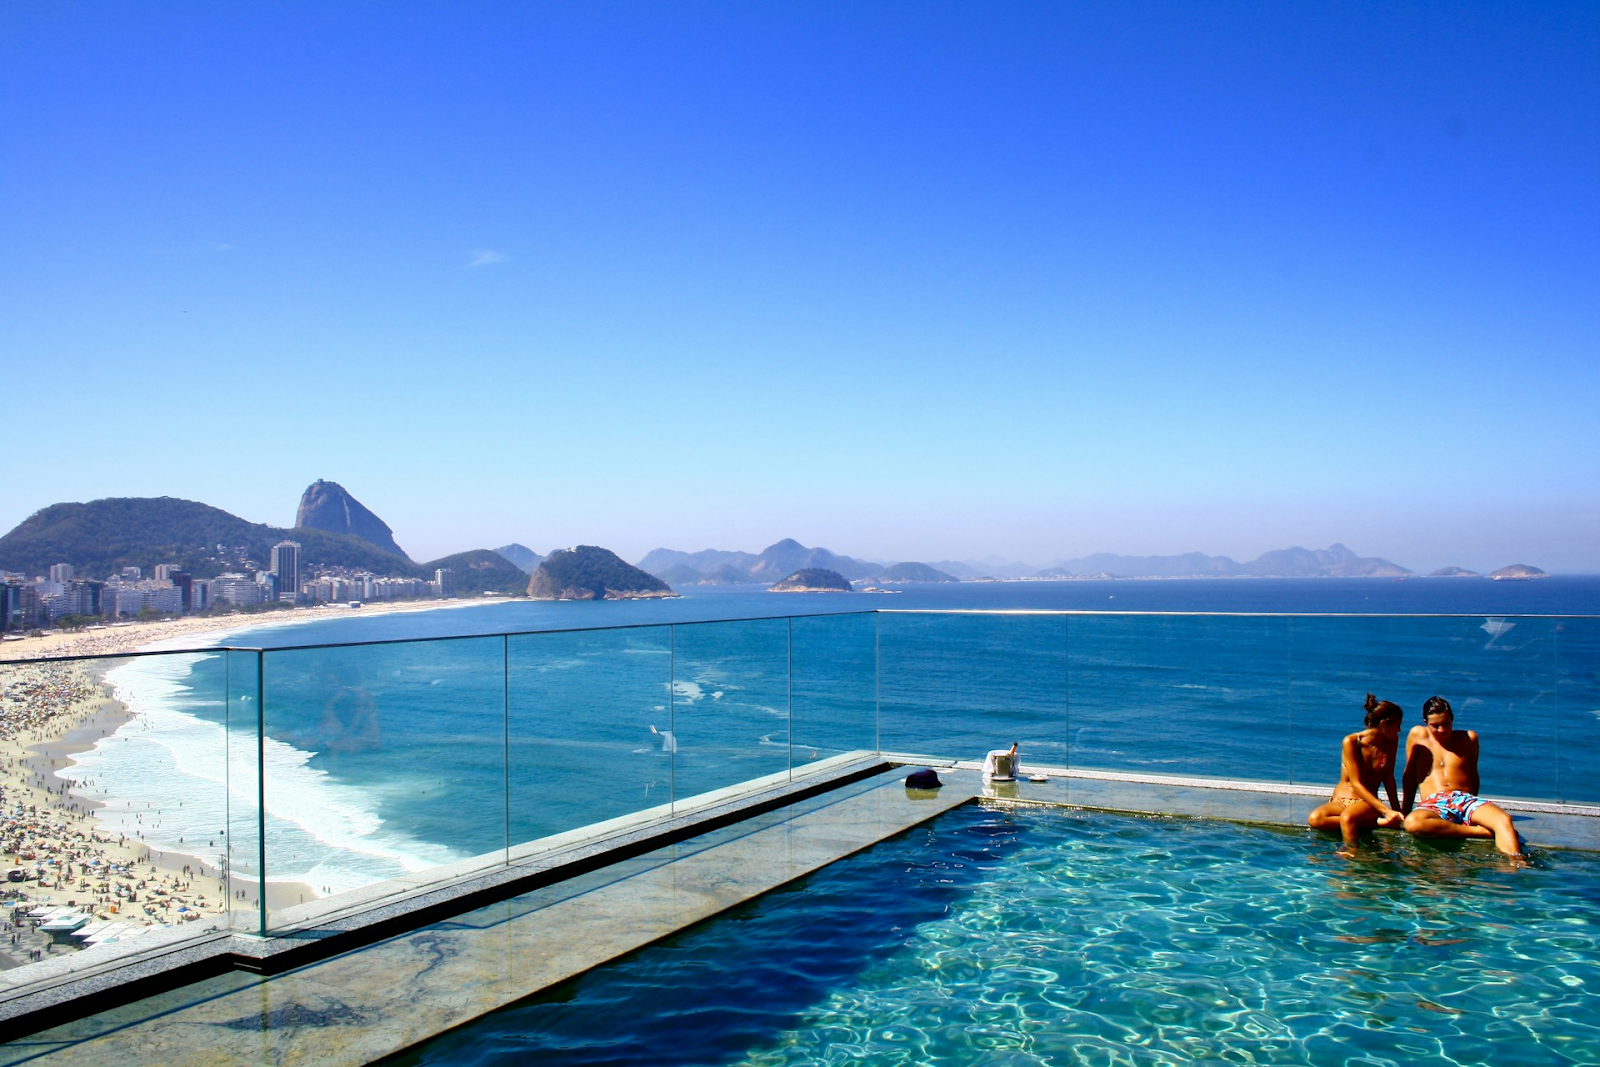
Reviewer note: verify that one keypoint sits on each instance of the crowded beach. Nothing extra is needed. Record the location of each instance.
(66, 883)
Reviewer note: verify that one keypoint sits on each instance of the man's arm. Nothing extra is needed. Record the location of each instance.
(1470, 755)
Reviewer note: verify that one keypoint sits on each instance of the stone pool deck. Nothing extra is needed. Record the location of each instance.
(380, 998)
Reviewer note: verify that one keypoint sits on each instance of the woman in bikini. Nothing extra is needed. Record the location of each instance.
(1367, 760)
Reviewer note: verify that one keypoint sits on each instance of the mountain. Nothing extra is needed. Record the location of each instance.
(789, 555)
(481, 571)
(681, 574)
(1188, 565)
(704, 561)
(328, 506)
(1336, 561)
(103, 536)
(588, 572)
(521, 556)
(912, 572)
(727, 574)
(783, 558)
(812, 580)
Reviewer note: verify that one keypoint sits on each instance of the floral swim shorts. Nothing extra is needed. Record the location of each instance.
(1453, 805)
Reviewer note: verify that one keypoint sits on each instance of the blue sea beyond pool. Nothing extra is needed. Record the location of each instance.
(392, 758)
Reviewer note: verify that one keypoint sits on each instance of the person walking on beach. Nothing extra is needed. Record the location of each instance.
(1442, 764)
(1367, 760)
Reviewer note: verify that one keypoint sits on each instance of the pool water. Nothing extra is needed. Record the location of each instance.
(1034, 936)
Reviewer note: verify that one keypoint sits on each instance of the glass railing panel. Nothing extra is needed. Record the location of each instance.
(381, 762)
(1194, 695)
(241, 858)
(590, 727)
(835, 685)
(1577, 684)
(112, 800)
(1498, 673)
(730, 703)
(958, 686)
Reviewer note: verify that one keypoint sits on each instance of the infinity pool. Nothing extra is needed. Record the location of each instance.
(1058, 937)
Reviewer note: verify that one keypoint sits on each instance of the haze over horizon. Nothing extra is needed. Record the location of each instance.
(908, 282)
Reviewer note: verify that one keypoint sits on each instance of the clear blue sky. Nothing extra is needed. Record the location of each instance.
(907, 280)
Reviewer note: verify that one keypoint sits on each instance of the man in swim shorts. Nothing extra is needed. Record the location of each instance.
(1442, 765)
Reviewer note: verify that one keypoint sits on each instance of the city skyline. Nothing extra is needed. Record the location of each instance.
(912, 282)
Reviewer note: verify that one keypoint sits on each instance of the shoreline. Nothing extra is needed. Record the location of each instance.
(53, 708)
(52, 838)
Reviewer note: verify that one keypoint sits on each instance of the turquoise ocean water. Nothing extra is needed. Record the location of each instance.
(393, 757)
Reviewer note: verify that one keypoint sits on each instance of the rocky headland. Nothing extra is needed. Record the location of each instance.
(589, 572)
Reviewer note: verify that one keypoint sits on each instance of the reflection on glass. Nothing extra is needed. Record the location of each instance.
(380, 761)
(591, 733)
(834, 685)
(730, 703)
(961, 685)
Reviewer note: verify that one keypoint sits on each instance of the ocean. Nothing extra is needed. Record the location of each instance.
(385, 759)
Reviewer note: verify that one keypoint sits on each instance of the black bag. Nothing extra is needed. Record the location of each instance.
(923, 779)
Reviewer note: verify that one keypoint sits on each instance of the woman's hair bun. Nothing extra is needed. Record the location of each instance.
(1372, 703)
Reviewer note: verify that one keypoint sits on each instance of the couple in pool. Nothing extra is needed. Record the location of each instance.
(1441, 765)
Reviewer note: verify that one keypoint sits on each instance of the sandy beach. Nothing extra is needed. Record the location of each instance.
(115, 638)
(52, 850)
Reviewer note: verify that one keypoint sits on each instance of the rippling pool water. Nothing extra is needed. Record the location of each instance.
(1062, 937)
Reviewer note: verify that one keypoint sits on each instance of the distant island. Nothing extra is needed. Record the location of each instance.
(1453, 572)
(812, 580)
(1517, 572)
(588, 572)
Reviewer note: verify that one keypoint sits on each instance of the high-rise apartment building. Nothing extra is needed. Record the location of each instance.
(62, 572)
(286, 566)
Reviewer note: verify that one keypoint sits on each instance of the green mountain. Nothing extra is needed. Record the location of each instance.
(481, 571)
(103, 536)
(591, 573)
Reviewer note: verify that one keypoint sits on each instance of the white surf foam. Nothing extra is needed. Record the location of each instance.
(174, 780)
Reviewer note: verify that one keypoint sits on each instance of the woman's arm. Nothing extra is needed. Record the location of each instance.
(1352, 774)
